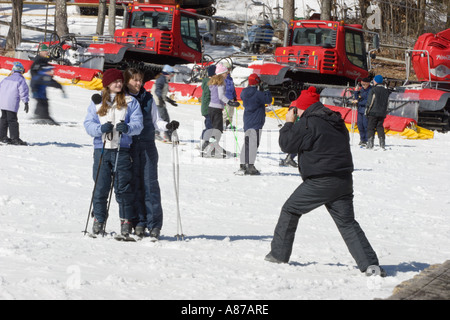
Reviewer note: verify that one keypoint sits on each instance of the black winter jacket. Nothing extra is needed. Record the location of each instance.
(377, 101)
(321, 140)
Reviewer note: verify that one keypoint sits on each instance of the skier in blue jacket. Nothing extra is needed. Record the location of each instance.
(39, 83)
(112, 123)
(148, 212)
(254, 101)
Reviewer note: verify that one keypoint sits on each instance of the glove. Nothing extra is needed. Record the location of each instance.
(173, 125)
(232, 103)
(172, 102)
(107, 127)
(26, 107)
(122, 127)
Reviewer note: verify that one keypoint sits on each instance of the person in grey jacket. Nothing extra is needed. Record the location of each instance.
(13, 89)
(325, 162)
(376, 110)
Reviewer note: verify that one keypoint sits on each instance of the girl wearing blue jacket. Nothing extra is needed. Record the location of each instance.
(13, 89)
(112, 123)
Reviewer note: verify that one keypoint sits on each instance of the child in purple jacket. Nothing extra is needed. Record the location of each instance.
(12, 89)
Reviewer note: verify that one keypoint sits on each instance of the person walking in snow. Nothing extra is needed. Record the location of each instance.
(112, 123)
(148, 212)
(39, 83)
(218, 101)
(254, 101)
(159, 91)
(206, 99)
(13, 89)
(325, 161)
(376, 110)
(361, 94)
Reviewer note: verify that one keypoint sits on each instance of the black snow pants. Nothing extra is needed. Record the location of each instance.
(336, 193)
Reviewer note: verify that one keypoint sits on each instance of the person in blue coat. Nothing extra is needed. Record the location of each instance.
(112, 123)
(148, 212)
(254, 101)
(13, 89)
(42, 79)
(361, 94)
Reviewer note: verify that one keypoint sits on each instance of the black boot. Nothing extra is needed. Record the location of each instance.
(251, 170)
(370, 143)
(98, 227)
(125, 227)
(383, 143)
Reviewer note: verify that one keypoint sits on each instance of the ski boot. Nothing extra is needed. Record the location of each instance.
(139, 231)
(251, 170)
(97, 228)
(154, 234)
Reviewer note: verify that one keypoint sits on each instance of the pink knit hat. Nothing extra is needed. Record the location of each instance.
(220, 68)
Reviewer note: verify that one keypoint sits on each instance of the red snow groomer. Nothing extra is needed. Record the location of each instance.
(319, 53)
(155, 34)
(430, 59)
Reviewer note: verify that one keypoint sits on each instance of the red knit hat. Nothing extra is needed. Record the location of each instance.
(307, 98)
(253, 79)
(111, 75)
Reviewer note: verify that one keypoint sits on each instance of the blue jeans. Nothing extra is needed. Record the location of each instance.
(147, 204)
(122, 183)
(362, 126)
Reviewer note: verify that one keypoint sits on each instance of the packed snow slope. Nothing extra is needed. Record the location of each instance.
(401, 202)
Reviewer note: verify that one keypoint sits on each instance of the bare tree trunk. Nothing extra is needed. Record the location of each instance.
(101, 17)
(288, 10)
(421, 4)
(112, 17)
(14, 36)
(61, 18)
(447, 24)
(327, 6)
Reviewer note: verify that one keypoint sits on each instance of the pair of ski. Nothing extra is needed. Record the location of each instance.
(121, 237)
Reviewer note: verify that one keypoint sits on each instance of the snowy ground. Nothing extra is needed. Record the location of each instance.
(401, 201)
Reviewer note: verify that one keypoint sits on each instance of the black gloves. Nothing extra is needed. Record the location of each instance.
(233, 103)
(122, 127)
(173, 125)
(107, 127)
(172, 102)
(27, 108)
(96, 98)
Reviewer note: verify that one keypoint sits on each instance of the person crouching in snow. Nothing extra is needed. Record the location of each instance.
(307, 97)
(254, 102)
(325, 161)
(159, 91)
(112, 123)
(13, 89)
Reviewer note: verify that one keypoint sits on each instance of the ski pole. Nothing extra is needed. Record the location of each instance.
(113, 178)
(234, 131)
(280, 122)
(95, 186)
(96, 98)
(176, 181)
